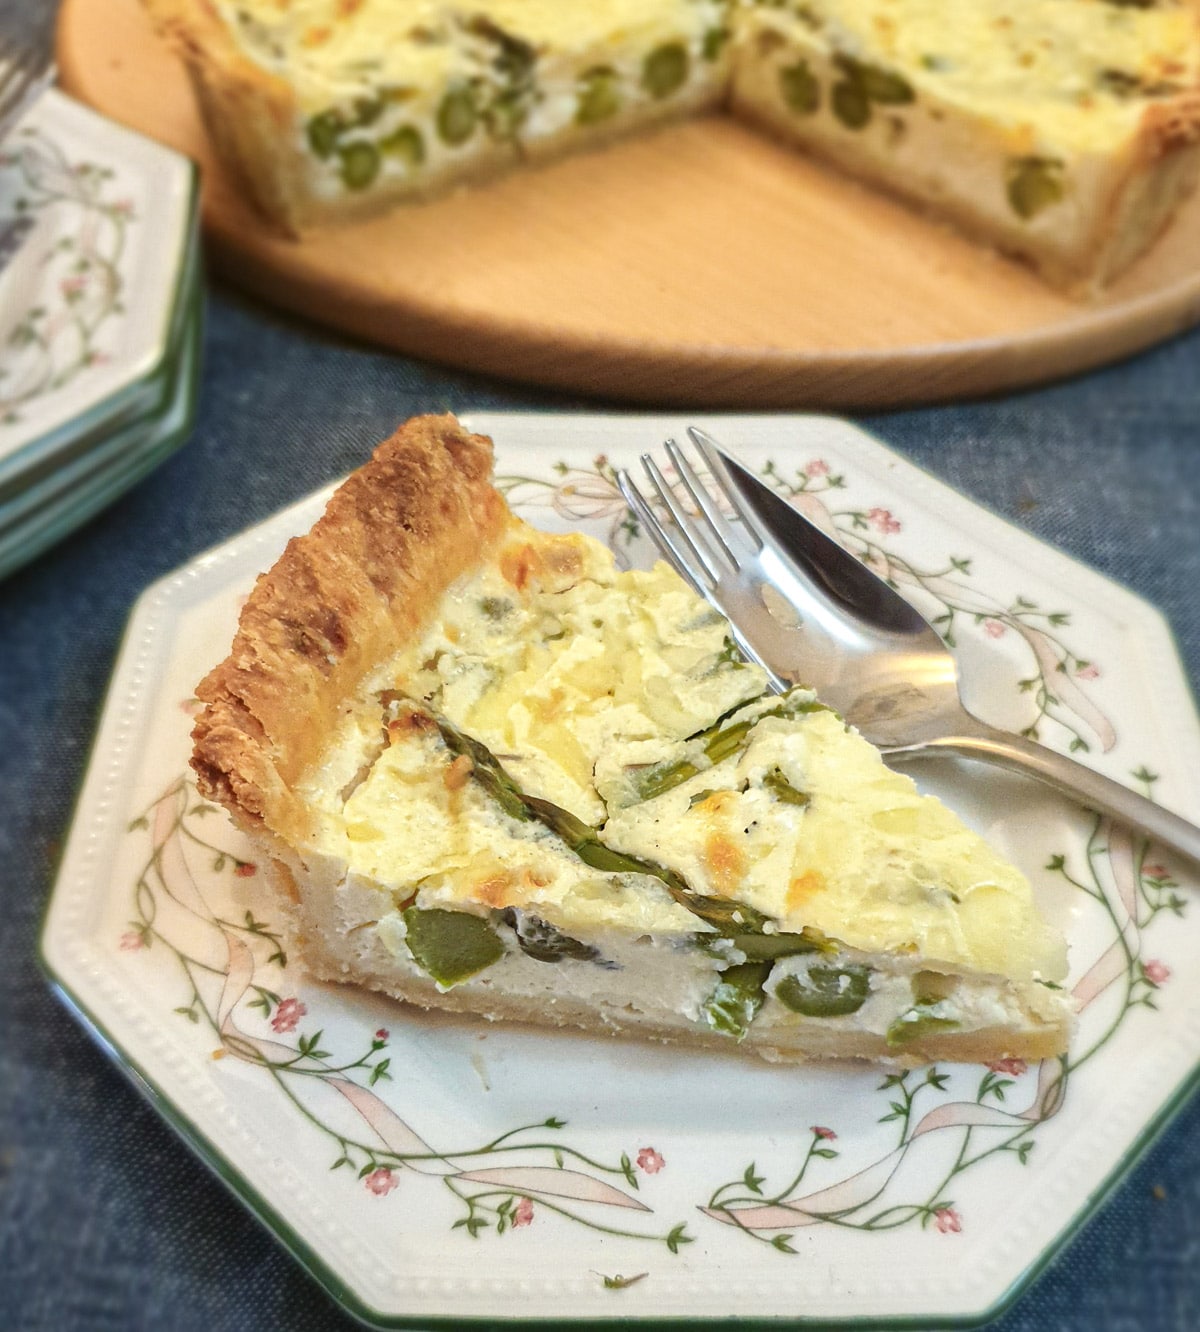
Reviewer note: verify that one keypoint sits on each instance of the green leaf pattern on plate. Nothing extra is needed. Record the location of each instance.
(49, 344)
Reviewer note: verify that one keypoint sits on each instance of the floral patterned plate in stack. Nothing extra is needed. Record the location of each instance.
(432, 1169)
(99, 311)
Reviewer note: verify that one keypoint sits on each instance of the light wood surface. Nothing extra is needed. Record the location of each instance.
(700, 265)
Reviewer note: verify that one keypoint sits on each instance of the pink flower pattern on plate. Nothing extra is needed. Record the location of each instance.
(131, 941)
(650, 1161)
(883, 521)
(523, 1213)
(287, 1015)
(1088, 671)
(994, 628)
(818, 467)
(381, 1181)
(821, 1131)
(947, 1221)
(1013, 1067)
(1156, 972)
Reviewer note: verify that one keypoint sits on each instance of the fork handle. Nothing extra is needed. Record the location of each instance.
(1101, 793)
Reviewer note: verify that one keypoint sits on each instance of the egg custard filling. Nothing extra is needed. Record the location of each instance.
(563, 797)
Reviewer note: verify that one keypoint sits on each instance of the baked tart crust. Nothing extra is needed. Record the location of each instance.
(368, 576)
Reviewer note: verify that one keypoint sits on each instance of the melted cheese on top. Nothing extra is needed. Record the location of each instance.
(581, 679)
(869, 860)
(334, 49)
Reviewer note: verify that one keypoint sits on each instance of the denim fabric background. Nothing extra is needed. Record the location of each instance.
(106, 1221)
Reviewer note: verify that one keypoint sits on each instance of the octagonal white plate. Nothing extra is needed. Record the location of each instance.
(428, 1167)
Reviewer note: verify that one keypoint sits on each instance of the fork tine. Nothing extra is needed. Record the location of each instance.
(663, 538)
(711, 452)
(22, 69)
(686, 525)
(721, 531)
(15, 69)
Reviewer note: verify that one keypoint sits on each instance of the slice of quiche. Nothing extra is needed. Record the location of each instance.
(1063, 131)
(333, 109)
(492, 773)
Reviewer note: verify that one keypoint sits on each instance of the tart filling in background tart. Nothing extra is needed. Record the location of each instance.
(1066, 132)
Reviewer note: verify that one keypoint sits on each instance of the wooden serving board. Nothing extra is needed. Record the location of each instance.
(699, 265)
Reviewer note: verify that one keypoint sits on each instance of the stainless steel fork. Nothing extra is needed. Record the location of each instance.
(24, 72)
(809, 612)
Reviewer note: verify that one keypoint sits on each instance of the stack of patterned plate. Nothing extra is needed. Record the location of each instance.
(100, 318)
